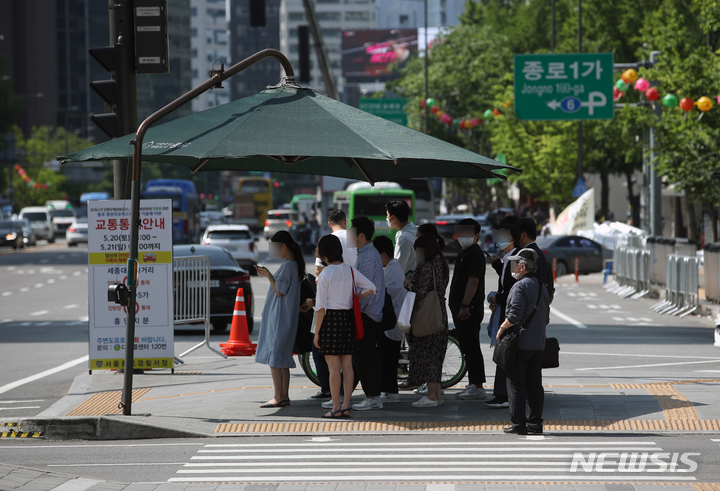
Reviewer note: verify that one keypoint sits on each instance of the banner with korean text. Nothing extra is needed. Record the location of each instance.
(108, 251)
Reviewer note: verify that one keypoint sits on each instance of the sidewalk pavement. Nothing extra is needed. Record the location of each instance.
(211, 397)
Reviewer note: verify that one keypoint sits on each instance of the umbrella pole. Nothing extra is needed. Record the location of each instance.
(215, 81)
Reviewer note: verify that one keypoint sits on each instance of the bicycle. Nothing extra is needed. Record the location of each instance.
(454, 366)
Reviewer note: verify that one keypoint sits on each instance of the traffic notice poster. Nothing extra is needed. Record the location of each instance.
(569, 86)
(108, 248)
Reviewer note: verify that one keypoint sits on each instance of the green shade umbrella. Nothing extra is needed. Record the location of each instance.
(297, 130)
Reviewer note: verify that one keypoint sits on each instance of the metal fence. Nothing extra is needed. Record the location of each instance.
(636, 268)
(712, 278)
(191, 295)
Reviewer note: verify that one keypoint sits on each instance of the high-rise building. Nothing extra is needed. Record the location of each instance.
(406, 14)
(155, 91)
(210, 46)
(246, 40)
(334, 17)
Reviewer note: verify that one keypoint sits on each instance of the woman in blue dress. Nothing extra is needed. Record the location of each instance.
(280, 315)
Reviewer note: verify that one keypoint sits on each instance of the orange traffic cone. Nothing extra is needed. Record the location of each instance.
(239, 343)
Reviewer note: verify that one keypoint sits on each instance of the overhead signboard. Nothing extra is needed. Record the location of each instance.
(570, 86)
(390, 109)
(367, 55)
(151, 37)
(108, 251)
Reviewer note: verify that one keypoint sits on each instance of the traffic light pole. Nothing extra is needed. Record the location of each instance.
(122, 27)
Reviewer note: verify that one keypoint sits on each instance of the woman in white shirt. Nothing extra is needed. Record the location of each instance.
(334, 320)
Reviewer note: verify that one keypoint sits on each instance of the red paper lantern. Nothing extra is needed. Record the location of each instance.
(652, 94)
(423, 104)
(617, 94)
(496, 112)
(434, 109)
(687, 104)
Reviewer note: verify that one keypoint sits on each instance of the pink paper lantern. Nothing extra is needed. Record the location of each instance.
(642, 85)
(476, 122)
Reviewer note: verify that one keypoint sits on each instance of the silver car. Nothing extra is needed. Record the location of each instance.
(278, 220)
(237, 240)
(77, 233)
(40, 221)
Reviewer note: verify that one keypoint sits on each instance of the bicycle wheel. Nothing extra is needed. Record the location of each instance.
(307, 363)
(454, 366)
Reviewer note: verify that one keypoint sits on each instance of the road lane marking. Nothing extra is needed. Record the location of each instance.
(566, 318)
(26, 401)
(40, 312)
(21, 407)
(106, 445)
(39, 285)
(423, 444)
(112, 465)
(644, 356)
(77, 273)
(652, 365)
(25, 289)
(38, 376)
(63, 277)
(50, 281)
(6, 294)
(71, 306)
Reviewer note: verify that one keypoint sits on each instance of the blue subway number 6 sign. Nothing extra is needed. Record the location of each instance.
(564, 86)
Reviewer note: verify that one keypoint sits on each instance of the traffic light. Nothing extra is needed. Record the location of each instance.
(111, 59)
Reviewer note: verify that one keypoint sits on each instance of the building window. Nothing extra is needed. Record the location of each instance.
(329, 16)
(193, 11)
(357, 16)
(296, 16)
(293, 33)
(194, 53)
(404, 20)
(330, 33)
(195, 73)
(193, 32)
(293, 48)
(221, 37)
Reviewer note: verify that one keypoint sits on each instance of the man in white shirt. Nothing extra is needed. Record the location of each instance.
(389, 343)
(398, 215)
(337, 221)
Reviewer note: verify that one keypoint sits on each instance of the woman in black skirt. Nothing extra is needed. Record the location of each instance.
(334, 319)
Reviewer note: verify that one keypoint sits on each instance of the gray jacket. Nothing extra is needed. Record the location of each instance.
(520, 304)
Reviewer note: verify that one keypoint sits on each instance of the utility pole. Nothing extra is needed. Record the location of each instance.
(656, 227)
(427, 93)
(122, 32)
(579, 171)
(320, 51)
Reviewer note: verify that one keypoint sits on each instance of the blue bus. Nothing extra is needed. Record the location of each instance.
(185, 205)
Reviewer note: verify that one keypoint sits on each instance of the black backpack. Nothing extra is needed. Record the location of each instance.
(389, 319)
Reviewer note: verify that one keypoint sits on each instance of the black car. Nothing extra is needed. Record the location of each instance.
(11, 234)
(225, 279)
(445, 225)
(565, 248)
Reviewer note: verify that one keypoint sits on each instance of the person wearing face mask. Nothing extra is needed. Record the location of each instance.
(280, 315)
(504, 238)
(524, 379)
(467, 295)
(527, 229)
(398, 213)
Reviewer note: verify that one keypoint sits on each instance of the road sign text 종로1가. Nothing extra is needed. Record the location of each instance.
(564, 86)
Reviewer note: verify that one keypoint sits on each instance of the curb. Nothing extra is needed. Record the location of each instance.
(101, 428)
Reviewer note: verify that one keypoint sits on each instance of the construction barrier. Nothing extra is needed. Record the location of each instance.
(681, 290)
(632, 271)
(191, 295)
(712, 264)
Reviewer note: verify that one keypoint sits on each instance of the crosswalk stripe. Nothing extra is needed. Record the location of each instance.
(427, 477)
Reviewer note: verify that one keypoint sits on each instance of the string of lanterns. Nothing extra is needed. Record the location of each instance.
(624, 83)
(30, 182)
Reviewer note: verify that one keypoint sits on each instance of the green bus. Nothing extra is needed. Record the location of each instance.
(370, 202)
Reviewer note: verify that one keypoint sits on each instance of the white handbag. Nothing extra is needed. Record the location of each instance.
(403, 321)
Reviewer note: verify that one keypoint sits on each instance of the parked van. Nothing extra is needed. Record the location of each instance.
(40, 221)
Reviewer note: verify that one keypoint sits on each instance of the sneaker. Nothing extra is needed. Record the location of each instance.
(329, 404)
(425, 402)
(368, 403)
(516, 430)
(471, 392)
(389, 398)
(423, 390)
(405, 385)
(320, 396)
(497, 403)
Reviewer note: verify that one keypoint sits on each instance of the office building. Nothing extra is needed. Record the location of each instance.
(209, 45)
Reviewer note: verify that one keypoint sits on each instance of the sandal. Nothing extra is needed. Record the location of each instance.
(343, 411)
(284, 403)
(269, 404)
(332, 414)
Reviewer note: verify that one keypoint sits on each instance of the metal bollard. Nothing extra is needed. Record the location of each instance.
(577, 268)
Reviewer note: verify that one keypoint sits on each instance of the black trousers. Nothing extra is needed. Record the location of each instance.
(468, 332)
(524, 385)
(389, 351)
(366, 358)
(321, 367)
(500, 388)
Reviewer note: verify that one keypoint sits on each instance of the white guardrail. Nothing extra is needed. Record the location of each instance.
(632, 267)
(191, 295)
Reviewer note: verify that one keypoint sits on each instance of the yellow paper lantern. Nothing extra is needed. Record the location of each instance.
(704, 104)
(629, 76)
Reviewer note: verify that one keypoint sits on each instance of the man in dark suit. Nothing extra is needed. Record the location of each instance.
(527, 230)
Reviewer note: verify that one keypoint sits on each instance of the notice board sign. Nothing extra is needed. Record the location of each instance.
(556, 87)
(108, 251)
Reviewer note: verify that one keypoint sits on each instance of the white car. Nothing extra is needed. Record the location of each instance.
(237, 240)
(78, 232)
(208, 218)
(278, 220)
(40, 221)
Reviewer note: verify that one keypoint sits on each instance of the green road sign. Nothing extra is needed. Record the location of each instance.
(564, 87)
(390, 109)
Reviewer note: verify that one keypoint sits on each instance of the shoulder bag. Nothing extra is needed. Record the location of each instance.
(505, 354)
(427, 317)
(357, 312)
(389, 319)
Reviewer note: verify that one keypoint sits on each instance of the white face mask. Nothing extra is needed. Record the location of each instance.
(502, 245)
(466, 242)
(389, 221)
(515, 275)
